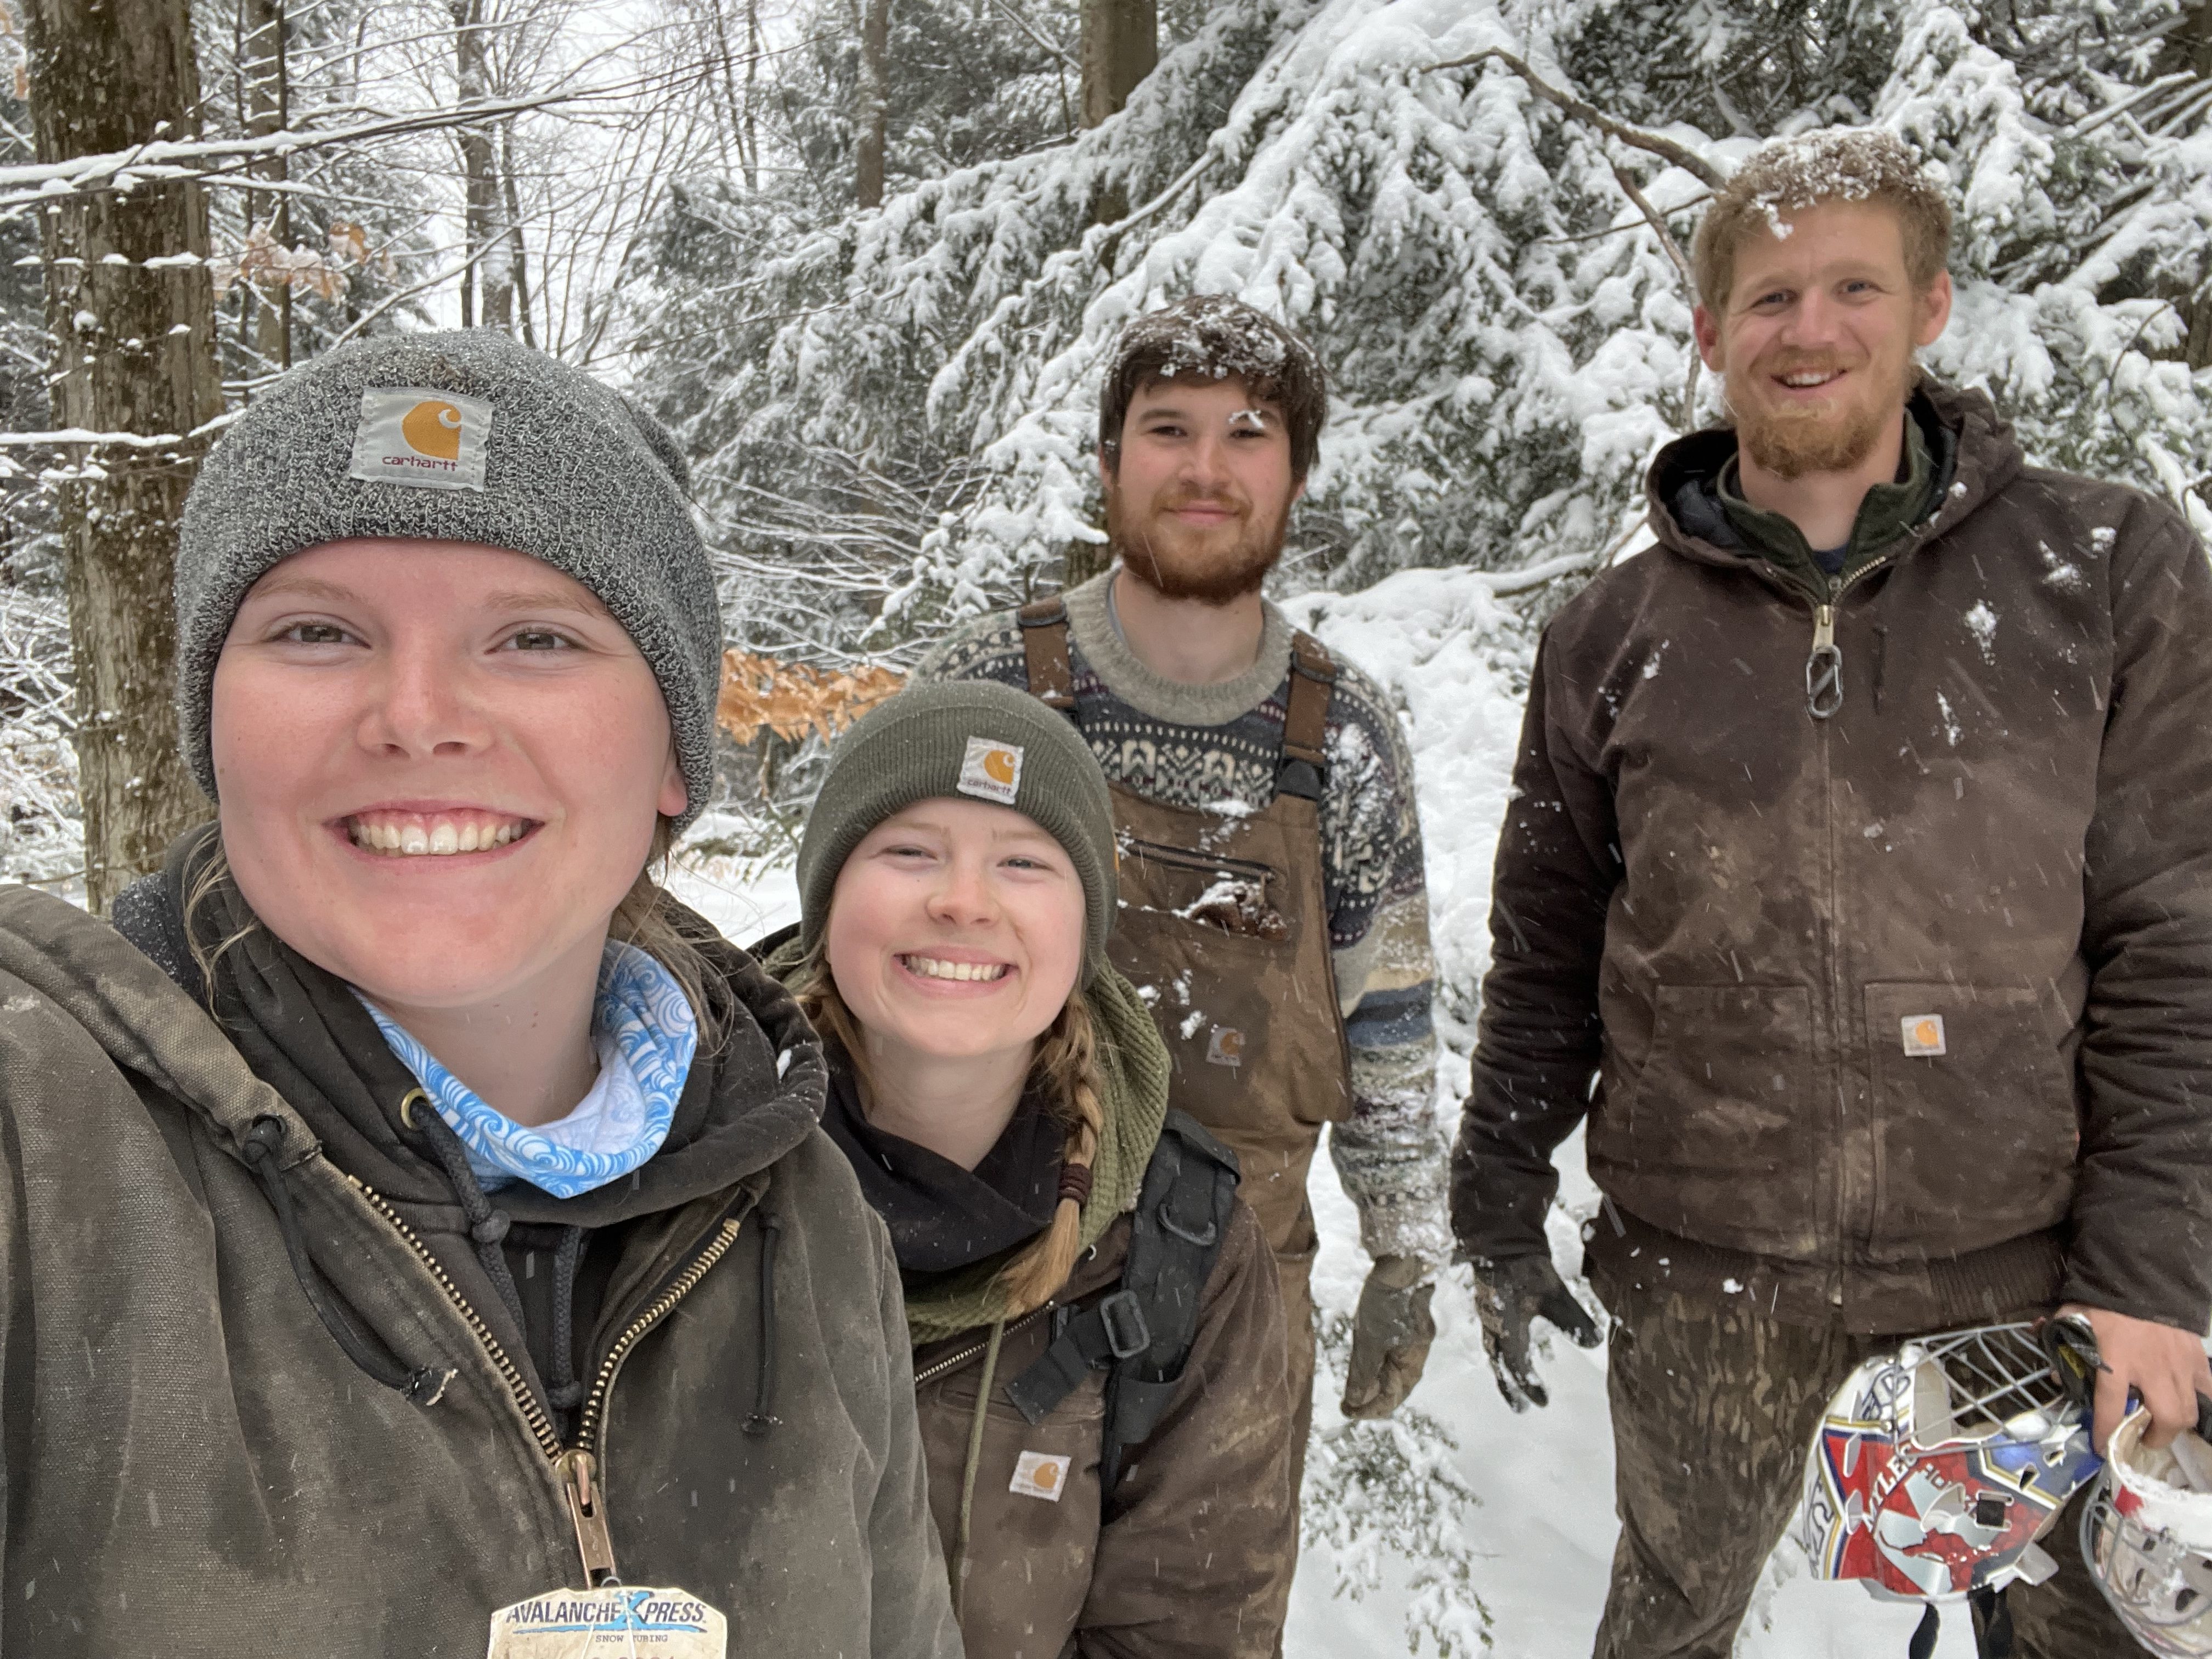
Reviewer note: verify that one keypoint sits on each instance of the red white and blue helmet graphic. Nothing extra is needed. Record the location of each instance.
(1937, 1467)
(2146, 1536)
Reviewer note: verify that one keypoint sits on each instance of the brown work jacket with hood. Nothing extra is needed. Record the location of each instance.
(1902, 1017)
(197, 1467)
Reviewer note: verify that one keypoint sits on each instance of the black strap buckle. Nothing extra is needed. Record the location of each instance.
(1127, 1332)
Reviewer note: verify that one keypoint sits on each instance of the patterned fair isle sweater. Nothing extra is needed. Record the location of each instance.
(1197, 745)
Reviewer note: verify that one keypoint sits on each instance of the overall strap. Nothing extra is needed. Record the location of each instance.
(1044, 651)
(1303, 768)
(1143, 1332)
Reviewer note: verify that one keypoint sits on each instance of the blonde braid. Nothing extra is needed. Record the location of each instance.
(1067, 1065)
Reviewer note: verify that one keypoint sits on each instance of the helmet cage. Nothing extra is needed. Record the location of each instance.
(1937, 1467)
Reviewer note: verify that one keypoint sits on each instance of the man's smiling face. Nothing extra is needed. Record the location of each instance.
(1816, 337)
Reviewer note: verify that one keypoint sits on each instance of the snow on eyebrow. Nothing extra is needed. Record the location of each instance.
(1255, 419)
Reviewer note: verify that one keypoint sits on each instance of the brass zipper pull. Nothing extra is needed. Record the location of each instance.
(579, 1473)
(1824, 669)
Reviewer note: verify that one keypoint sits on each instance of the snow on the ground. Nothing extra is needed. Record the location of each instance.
(1537, 1540)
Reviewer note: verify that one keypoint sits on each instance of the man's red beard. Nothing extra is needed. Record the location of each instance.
(1161, 554)
(1789, 442)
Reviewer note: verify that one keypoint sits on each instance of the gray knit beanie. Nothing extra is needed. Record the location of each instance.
(467, 437)
(976, 739)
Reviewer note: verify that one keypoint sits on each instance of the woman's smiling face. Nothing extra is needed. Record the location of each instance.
(439, 766)
(955, 931)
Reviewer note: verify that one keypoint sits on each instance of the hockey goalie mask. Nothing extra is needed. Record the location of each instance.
(1937, 1466)
(2147, 1535)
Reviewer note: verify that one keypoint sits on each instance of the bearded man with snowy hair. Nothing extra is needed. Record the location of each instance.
(1858, 889)
(1274, 907)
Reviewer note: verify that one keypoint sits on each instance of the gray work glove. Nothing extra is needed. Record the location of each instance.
(1508, 1296)
(1390, 1336)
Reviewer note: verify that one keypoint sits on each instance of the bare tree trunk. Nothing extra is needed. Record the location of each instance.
(518, 252)
(262, 68)
(875, 48)
(134, 352)
(490, 278)
(752, 70)
(2190, 47)
(1120, 44)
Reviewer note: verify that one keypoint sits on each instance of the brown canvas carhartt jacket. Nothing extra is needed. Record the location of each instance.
(1191, 1558)
(195, 1467)
(1904, 1015)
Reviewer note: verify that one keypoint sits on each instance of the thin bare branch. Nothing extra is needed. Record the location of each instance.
(1654, 143)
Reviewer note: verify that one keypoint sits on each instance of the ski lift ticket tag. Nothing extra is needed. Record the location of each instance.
(620, 1621)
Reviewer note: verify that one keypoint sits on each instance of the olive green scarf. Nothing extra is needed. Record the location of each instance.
(1133, 1091)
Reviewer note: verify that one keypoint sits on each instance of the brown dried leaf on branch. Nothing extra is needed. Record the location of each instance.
(791, 700)
(269, 265)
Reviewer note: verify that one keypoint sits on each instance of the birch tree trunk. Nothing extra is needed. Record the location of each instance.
(133, 352)
(1120, 46)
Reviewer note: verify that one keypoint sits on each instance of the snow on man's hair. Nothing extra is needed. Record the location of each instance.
(1212, 337)
(1836, 164)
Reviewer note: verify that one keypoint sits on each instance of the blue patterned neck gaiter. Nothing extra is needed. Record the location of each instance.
(645, 1033)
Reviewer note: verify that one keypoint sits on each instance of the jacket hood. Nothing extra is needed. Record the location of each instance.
(1134, 1073)
(291, 1041)
(1687, 519)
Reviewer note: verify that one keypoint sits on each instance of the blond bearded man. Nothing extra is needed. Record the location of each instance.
(1891, 734)
(1274, 902)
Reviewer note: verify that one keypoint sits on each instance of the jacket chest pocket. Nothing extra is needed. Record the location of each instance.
(1713, 1140)
(1975, 1129)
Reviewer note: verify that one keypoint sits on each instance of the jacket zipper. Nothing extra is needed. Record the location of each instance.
(575, 1467)
(1823, 698)
(954, 1362)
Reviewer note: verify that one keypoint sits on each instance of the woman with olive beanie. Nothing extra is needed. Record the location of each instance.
(1096, 1324)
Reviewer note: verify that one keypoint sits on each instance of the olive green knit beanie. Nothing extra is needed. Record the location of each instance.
(972, 739)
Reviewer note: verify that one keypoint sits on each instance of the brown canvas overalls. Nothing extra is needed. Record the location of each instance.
(1224, 930)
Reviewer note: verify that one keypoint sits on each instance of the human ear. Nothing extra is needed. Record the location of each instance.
(1934, 309)
(1707, 334)
(674, 794)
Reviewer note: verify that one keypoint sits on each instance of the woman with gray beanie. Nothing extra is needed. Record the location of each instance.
(417, 1232)
(1096, 1323)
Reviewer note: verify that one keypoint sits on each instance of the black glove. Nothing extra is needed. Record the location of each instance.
(1508, 1295)
(1390, 1337)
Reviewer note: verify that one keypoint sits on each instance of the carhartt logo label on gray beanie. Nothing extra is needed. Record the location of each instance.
(467, 437)
(427, 440)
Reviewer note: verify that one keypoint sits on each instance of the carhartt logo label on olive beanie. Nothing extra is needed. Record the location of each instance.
(409, 434)
(991, 771)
